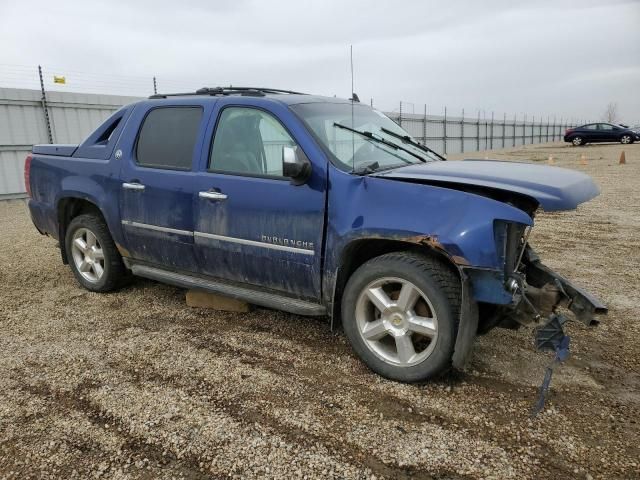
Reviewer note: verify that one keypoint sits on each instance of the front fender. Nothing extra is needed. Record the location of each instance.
(461, 224)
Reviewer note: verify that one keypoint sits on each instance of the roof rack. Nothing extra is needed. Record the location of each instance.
(244, 91)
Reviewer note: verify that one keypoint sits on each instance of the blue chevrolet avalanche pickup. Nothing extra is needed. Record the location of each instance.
(312, 205)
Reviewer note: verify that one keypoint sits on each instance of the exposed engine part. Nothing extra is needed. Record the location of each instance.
(525, 242)
(533, 305)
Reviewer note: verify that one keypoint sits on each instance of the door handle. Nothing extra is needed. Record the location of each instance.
(133, 186)
(212, 195)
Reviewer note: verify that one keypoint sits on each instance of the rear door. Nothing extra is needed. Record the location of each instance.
(156, 199)
(590, 132)
(252, 225)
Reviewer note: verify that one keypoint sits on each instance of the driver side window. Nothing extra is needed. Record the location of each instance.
(248, 141)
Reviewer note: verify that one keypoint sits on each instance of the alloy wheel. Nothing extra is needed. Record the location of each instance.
(87, 254)
(397, 321)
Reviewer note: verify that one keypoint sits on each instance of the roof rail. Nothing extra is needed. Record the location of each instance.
(245, 91)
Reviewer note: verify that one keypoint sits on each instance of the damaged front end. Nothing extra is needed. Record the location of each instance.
(537, 292)
(543, 291)
(538, 298)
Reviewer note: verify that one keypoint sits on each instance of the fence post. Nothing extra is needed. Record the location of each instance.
(555, 127)
(445, 130)
(540, 131)
(547, 136)
(486, 131)
(515, 120)
(561, 129)
(524, 130)
(533, 127)
(45, 109)
(462, 133)
(478, 133)
(504, 127)
(400, 116)
(491, 130)
(424, 126)
(533, 123)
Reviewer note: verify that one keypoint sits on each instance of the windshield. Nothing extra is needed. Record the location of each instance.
(352, 151)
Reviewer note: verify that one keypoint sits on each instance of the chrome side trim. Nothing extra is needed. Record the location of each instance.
(157, 228)
(254, 243)
(222, 238)
(251, 295)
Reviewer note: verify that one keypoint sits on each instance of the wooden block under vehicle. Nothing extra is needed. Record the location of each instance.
(200, 299)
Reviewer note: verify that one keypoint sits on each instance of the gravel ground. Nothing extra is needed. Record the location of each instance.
(134, 384)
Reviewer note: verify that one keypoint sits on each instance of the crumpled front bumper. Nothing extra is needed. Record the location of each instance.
(582, 304)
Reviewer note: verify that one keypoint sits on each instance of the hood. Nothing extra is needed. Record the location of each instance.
(554, 188)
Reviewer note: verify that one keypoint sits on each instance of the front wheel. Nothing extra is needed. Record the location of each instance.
(400, 313)
(577, 141)
(626, 139)
(93, 257)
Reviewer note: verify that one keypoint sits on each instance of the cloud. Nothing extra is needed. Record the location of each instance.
(567, 58)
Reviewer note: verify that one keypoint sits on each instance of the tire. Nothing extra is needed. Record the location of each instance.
(376, 334)
(577, 141)
(626, 139)
(97, 266)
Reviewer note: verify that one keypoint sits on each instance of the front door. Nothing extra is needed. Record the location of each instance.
(607, 133)
(252, 225)
(156, 200)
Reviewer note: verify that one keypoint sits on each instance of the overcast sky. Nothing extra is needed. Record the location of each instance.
(568, 58)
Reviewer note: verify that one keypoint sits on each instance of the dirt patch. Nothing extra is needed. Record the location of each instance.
(136, 385)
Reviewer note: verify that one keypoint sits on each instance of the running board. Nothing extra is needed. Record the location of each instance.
(264, 299)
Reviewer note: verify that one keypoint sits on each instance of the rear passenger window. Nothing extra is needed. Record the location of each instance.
(167, 137)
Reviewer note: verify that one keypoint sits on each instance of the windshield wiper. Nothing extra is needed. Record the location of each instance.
(367, 168)
(371, 136)
(410, 141)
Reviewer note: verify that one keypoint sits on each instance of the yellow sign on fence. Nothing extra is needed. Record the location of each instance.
(59, 79)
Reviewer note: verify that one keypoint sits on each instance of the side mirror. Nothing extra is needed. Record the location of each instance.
(295, 165)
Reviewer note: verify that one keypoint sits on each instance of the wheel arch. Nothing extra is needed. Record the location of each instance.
(67, 209)
(361, 250)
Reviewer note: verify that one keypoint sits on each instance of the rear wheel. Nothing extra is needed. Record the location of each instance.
(577, 141)
(400, 313)
(93, 257)
(626, 139)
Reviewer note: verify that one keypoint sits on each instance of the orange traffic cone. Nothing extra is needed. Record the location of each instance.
(551, 162)
(623, 159)
(583, 159)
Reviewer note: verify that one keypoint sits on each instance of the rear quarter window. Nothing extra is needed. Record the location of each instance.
(168, 136)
